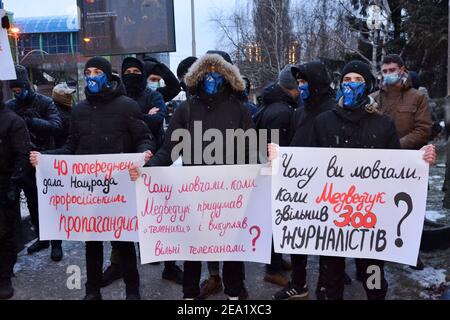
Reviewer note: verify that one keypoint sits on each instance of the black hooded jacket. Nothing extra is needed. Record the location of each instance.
(221, 111)
(14, 147)
(107, 123)
(41, 116)
(135, 86)
(340, 128)
(172, 88)
(321, 100)
(276, 114)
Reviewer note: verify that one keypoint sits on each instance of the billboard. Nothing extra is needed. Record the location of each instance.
(113, 27)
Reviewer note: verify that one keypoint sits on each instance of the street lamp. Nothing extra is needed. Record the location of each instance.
(15, 34)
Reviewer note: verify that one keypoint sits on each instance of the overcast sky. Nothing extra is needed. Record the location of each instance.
(206, 31)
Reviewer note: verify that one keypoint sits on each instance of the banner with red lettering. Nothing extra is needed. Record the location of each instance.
(87, 198)
(350, 203)
(210, 213)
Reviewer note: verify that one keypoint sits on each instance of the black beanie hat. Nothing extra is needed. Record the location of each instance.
(363, 69)
(184, 66)
(223, 54)
(100, 63)
(131, 62)
(22, 80)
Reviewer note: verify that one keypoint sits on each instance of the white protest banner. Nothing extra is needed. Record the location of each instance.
(7, 71)
(87, 198)
(210, 213)
(350, 203)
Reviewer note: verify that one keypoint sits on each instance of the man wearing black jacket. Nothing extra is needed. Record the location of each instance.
(317, 96)
(43, 121)
(107, 122)
(215, 87)
(154, 111)
(279, 103)
(14, 148)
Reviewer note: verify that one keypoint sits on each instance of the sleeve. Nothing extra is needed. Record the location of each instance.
(393, 142)
(163, 158)
(20, 142)
(50, 121)
(139, 130)
(155, 100)
(422, 127)
(172, 88)
(72, 142)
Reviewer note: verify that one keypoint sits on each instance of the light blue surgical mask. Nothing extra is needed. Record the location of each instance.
(23, 95)
(97, 83)
(212, 82)
(352, 93)
(391, 79)
(152, 86)
(304, 91)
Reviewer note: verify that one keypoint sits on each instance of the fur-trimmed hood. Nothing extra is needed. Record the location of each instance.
(201, 67)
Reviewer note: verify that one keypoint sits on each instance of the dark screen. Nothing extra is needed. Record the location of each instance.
(110, 27)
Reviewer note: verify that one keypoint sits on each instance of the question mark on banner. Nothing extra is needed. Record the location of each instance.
(408, 200)
(258, 234)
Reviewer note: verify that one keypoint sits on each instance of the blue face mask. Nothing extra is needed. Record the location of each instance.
(304, 91)
(212, 82)
(152, 86)
(97, 83)
(391, 79)
(352, 92)
(23, 95)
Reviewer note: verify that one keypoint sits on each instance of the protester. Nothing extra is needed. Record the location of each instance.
(44, 124)
(62, 96)
(407, 106)
(215, 87)
(279, 103)
(356, 123)
(153, 108)
(107, 122)
(157, 71)
(14, 148)
(316, 92)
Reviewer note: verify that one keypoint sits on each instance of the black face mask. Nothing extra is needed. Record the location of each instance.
(134, 84)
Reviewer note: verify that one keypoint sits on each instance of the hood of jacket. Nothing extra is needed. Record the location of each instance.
(201, 67)
(318, 81)
(274, 93)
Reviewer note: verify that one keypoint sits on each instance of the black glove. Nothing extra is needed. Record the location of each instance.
(5, 22)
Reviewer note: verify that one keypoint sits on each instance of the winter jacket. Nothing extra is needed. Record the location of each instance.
(107, 123)
(321, 100)
(276, 114)
(15, 147)
(222, 111)
(147, 101)
(64, 113)
(303, 121)
(42, 119)
(340, 128)
(409, 108)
